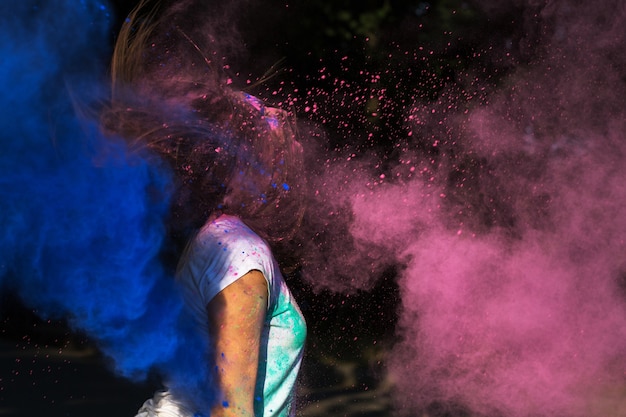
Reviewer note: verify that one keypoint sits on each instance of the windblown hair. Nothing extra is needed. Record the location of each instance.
(229, 152)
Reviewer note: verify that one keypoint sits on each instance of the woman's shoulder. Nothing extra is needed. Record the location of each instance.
(230, 233)
(222, 251)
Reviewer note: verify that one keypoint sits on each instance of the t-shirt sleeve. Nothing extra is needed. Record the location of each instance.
(223, 253)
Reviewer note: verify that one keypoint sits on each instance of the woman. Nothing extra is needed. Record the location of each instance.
(238, 186)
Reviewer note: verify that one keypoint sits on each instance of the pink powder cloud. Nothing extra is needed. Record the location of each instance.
(513, 298)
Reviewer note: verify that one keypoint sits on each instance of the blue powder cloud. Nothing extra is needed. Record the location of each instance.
(81, 217)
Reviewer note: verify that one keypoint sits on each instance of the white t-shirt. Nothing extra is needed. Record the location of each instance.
(223, 251)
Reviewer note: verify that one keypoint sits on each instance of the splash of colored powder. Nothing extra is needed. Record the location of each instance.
(504, 205)
(82, 218)
(512, 292)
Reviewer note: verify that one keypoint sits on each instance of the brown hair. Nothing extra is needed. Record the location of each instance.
(229, 152)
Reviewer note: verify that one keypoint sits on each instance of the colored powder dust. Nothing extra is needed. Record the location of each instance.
(82, 217)
(502, 201)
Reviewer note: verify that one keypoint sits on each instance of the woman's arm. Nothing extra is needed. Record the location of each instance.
(236, 317)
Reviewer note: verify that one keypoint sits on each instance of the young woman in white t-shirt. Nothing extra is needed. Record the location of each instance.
(238, 190)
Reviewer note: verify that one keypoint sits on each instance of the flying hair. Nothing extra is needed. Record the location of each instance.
(229, 152)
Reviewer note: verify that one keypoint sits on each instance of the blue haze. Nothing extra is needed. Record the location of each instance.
(81, 217)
